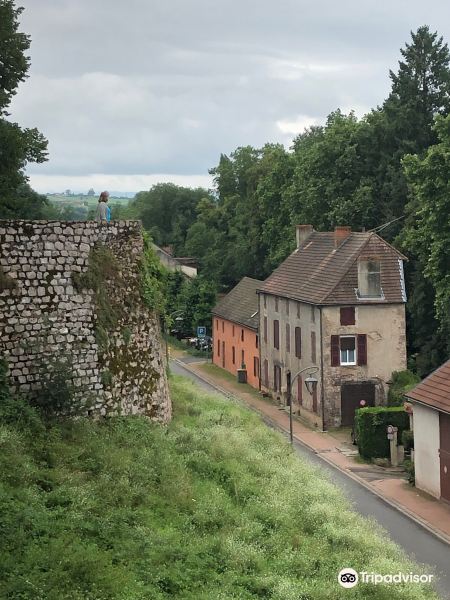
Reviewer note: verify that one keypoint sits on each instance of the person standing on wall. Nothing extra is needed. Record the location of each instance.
(103, 210)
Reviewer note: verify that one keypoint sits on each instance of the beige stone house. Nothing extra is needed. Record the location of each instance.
(337, 304)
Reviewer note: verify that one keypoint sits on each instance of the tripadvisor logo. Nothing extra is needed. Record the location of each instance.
(348, 578)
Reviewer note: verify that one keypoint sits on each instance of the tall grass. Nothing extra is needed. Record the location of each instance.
(214, 507)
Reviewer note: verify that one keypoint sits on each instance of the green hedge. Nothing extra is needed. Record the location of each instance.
(371, 426)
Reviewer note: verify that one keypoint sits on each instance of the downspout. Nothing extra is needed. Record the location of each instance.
(322, 403)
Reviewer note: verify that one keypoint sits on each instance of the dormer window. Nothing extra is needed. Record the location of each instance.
(369, 278)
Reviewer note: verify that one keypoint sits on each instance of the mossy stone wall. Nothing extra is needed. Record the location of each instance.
(50, 307)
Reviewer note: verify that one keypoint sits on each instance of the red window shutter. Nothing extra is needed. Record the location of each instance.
(298, 342)
(347, 315)
(313, 346)
(335, 362)
(362, 349)
(276, 334)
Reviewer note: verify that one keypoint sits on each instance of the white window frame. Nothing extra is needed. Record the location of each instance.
(347, 364)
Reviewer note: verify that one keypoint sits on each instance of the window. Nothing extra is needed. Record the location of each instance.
(347, 347)
(276, 334)
(223, 326)
(242, 335)
(298, 310)
(276, 303)
(233, 355)
(287, 306)
(255, 366)
(348, 315)
(288, 337)
(266, 373)
(256, 340)
(313, 346)
(233, 330)
(369, 278)
(313, 314)
(242, 359)
(298, 342)
(218, 347)
(265, 300)
(265, 329)
(217, 324)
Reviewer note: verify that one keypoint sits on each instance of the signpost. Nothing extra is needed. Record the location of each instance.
(201, 332)
(392, 437)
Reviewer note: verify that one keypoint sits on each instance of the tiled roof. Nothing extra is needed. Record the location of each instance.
(319, 273)
(434, 390)
(241, 304)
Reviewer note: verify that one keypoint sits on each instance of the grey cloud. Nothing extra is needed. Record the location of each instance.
(164, 86)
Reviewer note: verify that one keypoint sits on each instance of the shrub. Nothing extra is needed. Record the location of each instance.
(402, 382)
(371, 426)
(409, 468)
(408, 439)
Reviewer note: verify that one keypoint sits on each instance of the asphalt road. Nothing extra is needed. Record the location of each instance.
(419, 544)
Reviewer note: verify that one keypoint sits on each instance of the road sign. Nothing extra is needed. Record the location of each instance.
(201, 332)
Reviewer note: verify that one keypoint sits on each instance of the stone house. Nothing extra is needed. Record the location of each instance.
(431, 424)
(337, 304)
(235, 330)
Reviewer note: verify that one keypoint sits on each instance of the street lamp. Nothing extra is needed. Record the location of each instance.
(311, 385)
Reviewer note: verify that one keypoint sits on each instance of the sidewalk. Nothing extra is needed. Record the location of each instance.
(389, 484)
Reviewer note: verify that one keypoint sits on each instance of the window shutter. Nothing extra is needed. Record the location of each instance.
(276, 334)
(348, 315)
(298, 342)
(300, 390)
(313, 346)
(362, 349)
(335, 351)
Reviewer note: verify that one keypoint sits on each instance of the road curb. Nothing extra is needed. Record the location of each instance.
(392, 503)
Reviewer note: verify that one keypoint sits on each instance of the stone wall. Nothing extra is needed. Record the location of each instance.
(49, 309)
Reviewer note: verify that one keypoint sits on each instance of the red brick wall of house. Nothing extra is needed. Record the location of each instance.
(231, 334)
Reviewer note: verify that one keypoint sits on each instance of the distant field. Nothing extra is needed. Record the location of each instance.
(83, 200)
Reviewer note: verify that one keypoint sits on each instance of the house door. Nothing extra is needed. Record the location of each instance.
(277, 378)
(351, 396)
(288, 388)
(223, 355)
(444, 452)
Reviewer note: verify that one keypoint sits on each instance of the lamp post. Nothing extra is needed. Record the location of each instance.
(311, 385)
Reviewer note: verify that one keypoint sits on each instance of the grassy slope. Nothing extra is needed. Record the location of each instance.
(214, 507)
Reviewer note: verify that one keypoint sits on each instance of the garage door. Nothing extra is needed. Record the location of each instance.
(351, 396)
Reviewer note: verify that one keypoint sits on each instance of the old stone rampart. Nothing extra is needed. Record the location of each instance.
(74, 289)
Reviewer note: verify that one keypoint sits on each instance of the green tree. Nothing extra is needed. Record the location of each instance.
(428, 227)
(17, 146)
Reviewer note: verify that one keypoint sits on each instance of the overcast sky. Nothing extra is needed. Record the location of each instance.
(134, 92)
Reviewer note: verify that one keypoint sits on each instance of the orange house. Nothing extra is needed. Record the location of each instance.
(235, 330)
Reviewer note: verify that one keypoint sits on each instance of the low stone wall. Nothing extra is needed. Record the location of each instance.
(48, 310)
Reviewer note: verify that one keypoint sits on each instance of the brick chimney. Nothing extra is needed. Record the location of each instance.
(302, 233)
(340, 235)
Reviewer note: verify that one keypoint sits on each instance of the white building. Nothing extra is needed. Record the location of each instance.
(431, 423)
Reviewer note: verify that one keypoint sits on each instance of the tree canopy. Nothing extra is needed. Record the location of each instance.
(17, 146)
